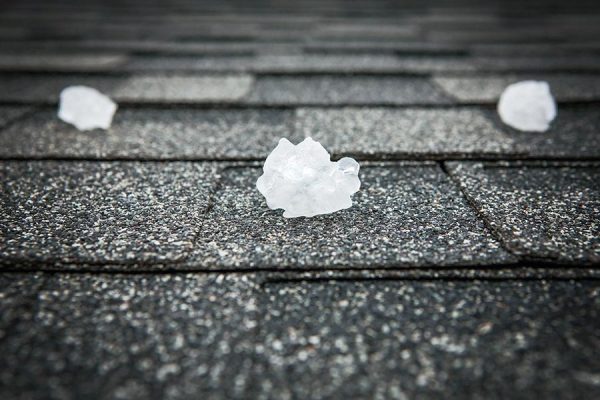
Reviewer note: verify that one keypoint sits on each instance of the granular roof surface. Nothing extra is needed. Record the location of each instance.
(142, 263)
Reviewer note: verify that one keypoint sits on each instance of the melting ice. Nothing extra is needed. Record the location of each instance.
(303, 181)
(86, 108)
(527, 106)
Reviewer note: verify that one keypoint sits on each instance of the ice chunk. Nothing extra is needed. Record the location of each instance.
(304, 181)
(86, 108)
(527, 106)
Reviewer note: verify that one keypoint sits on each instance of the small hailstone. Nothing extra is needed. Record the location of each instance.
(303, 181)
(86, 108)
(527, 106)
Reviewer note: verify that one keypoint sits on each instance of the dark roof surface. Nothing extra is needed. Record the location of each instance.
(141, 262)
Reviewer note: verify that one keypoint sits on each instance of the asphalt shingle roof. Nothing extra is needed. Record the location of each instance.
(141, 262)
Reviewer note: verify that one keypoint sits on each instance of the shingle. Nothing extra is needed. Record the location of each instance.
(528, 63)
(153, 133)
(539, 210)
(524, 271)
(305, 63)
(378, 47)
(95, 212)
(155, 62)
(404, 215)
(325, 90)
(487, 89)
(408, 132)
(61, 62)
(185, 89)
(441, 339)
(271, 63)
(136, 89)
(495, 35)
(155, 46)
(575, 134)
(350, 30)
(133, 337)
(10, 113)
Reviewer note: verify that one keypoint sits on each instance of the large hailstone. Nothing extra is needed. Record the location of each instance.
(86, 108)
(304, 182)
(527, 106)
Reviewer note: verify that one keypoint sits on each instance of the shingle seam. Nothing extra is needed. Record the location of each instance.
(482, 217)
(217, 182)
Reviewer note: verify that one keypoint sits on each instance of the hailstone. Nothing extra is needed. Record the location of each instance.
(303, 181)
(86, 108)
(527, 106)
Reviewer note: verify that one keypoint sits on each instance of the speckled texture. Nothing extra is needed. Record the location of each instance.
(308, 63)
(540, 211)
(492, 273)
(372, 132)
(408, 215)
(317, 90)
(132, 337)
(575, 133)
(487, 89)
(184, 89)
(92, 212)
(384, 132)
(154, 133)
(173, 280)
(405, 340)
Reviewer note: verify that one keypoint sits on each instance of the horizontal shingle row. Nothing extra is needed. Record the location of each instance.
(152, 214)
(175, 336)
(290, 62)
(487, 88)
(293, 89)
(366, 132)
(94, 212)
(538, 210)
